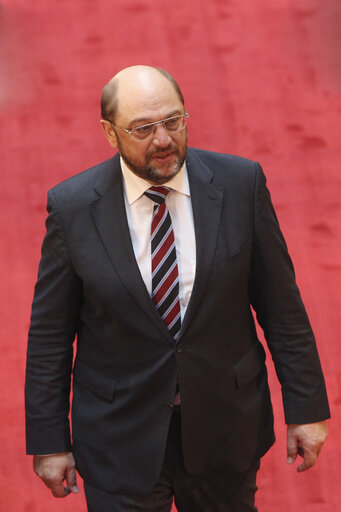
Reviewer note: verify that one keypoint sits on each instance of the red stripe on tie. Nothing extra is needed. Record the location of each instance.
(173, 313)
(160, 254)
(159, 215)
(165, 286)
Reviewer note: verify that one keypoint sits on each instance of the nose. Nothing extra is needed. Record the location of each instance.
(161, 137)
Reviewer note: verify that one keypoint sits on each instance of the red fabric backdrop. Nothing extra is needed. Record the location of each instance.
(261, 79)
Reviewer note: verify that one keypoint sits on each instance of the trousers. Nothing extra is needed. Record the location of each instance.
(210, 492)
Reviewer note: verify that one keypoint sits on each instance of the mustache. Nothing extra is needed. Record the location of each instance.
(159, 150)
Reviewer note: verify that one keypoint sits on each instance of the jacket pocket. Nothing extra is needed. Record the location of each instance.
(224, 254)
(101, 384)
(249, 366)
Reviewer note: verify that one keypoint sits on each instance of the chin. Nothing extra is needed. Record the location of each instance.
(163, 175)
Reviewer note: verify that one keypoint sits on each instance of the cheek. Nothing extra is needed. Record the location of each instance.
(136, 152)
(181, 139)
(141, 154)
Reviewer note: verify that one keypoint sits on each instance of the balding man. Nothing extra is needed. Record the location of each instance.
(153, 260)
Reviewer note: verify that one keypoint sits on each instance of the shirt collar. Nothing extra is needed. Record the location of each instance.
(135, 186)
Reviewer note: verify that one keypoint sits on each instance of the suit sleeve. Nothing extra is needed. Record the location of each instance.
(54, 319)
(281, 314)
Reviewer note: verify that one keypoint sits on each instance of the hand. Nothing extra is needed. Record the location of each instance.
(307, 441)
(54, 469)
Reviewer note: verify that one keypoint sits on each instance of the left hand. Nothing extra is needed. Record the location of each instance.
(54, 469)
(306, 440)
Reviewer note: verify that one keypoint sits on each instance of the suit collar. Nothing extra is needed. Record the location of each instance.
(110, 177)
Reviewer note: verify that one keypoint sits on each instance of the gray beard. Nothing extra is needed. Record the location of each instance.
(149, 172)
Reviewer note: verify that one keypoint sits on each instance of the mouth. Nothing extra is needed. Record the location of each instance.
(164, 157)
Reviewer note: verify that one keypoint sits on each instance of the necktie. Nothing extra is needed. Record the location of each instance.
(165, 276)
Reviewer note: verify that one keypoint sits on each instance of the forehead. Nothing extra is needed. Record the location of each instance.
(146, 99)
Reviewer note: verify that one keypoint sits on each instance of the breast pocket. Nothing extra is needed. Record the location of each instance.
(226, 251)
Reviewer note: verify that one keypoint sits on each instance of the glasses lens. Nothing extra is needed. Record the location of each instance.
(174, 124)
(143, 131)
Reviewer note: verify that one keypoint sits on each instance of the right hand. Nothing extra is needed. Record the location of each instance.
(54, 469)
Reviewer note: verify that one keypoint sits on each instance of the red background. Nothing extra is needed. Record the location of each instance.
(261, 78)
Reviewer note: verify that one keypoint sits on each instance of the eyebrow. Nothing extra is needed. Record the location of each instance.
(146, 120)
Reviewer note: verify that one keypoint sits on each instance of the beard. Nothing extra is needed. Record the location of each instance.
(147, 171)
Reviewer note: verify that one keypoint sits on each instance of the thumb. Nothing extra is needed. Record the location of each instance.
(71, 479)
(291, 448)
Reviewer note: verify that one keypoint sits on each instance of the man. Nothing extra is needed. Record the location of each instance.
(153, 259)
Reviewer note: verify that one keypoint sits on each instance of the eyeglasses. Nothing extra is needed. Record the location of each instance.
(171, 125)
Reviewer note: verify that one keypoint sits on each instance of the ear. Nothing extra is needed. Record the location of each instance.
(109, 133)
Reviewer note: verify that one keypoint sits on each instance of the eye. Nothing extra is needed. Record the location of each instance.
(143, 131)
(172, 123)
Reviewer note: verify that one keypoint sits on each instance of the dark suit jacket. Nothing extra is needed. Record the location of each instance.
(126, 363)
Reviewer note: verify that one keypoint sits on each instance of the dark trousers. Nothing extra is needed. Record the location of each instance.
(213, 492)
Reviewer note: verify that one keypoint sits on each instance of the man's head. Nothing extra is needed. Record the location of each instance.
(136, 96)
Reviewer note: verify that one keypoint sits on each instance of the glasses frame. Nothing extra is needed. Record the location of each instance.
(155, 123)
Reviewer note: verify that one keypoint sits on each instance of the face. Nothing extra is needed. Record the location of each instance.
(159, 157)
(156, 162)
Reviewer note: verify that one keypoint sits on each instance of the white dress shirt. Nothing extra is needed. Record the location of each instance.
(139, 210)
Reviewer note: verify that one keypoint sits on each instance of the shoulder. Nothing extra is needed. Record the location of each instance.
(224, 159)
(225, 168)
(86, 179)
(82, 186)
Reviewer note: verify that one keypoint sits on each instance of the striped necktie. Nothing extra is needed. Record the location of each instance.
(165, 276)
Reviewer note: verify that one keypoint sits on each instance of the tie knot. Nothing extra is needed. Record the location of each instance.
(157, 194)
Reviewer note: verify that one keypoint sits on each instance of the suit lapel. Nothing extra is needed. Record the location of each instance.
(207, 203)
(109, 215)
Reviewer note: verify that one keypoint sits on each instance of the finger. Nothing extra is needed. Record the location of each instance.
(59, 491)
(300, 451)
(291, 448)
(309, 460)
(71, 479)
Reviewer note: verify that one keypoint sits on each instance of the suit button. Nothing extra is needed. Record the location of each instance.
(180, 348)
(170, 406)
